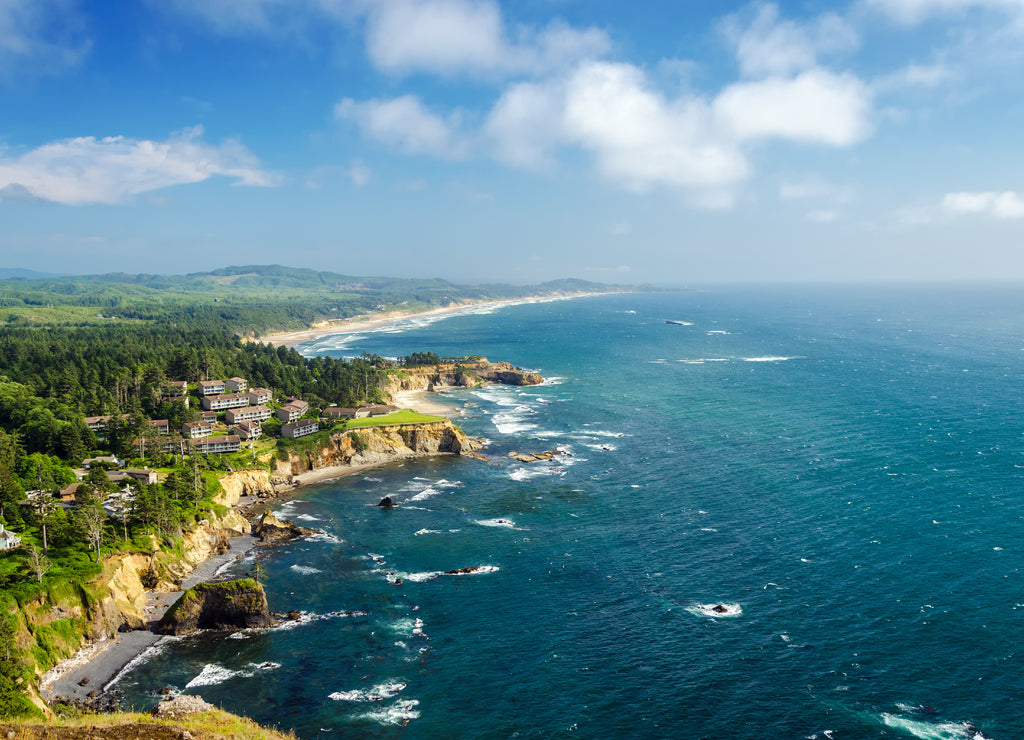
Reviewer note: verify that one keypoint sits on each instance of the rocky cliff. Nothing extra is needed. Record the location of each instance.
(240, 604)
(243, 483)
(376, 446)
(460, 375)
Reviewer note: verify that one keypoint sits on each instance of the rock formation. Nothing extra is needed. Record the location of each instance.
(273, 531)
(224, 605)
(461, 375)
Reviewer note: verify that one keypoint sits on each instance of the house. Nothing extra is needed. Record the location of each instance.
(298, 429)
(97, 423)
(208, 417)
(142, 475)
(338, 412)
(174, 389)
(105, 459)
(210, 445)
(258, 396)
(164, 445)
(236, 385)
(374, 410)
(211, 387)
(247, 413)
(289, 412)
(247, 430)
(160, 425)
(8, 539)
(299, 403)
(68, 492)
(224, 401)
(196, 429)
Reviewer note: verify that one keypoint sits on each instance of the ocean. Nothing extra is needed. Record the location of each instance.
(795, 514)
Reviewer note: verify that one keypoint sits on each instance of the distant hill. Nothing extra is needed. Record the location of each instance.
(9, 273)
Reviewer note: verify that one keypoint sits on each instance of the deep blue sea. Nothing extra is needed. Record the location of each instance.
(840, 469)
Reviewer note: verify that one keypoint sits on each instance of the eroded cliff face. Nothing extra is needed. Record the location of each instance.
(379, 445)
(69, 618)
(461, 375)
(243, 483)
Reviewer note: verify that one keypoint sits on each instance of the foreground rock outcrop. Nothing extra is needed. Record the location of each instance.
(226, 605)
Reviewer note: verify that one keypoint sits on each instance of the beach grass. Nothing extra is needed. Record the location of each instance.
(403, 416)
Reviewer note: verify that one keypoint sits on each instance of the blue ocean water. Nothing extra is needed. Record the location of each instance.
(839, 469)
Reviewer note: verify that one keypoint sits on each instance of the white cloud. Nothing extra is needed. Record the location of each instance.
(916, 76)
(766, 45)
(1007, 204)
(815, 106)
(526, 124)
(824, 216)
(359, 173)
(915, 11)
(405, 124)
(40, 36)
(462, 37)
(112, 169)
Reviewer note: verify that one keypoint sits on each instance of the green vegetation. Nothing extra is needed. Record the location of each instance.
(403, 416)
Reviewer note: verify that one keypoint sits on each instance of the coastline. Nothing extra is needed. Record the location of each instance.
(379, 320)
(103, 663)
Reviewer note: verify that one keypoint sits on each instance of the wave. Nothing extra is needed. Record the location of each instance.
(144, 657)
(308, 617)
(926, 730)
(534, 472)
(305, 570)
(715, 611)
(435, 488)
(497, 523)
(380, 692)
(322, 537)
(426, 531)
(399, 714)
(768, 358)
(213, 673)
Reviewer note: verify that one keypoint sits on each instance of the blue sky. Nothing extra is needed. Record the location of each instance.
(665, 141)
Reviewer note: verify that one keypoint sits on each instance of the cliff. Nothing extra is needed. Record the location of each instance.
(376, 446)
(460, 375)
(240, 604)
(54, 625)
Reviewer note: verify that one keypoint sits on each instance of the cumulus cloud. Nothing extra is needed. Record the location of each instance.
(815, 106)
(407, 125)
(768, 45)
(925, 76)
(112, 169)
(461, 37)
(1007, 204)
(40, 36)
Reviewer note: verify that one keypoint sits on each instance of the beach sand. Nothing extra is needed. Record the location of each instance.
(377, 320)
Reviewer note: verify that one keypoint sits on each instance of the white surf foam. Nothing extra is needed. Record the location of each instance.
(322, 537)
(398, 714)
(931, 730)
(497, 523)
(427, 531)
(767, 358)
(715, 611)
(305, 570)
(213, 674)
(380, 692)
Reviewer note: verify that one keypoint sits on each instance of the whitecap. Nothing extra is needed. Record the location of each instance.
(213, 674)
(398, 714)
(536, 471)
(497, 523)
(380, 692)
(322, 537)
(307, 518)
(931, 730)
(767, 358)
(305, 570)
(427, 531)
(716, 611)
(238, 636)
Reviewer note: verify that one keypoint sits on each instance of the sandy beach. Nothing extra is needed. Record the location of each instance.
(379, 320)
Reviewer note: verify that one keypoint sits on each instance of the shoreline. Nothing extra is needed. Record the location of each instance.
(378, 320)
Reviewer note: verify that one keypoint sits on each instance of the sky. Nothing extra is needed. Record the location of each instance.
(664, 141)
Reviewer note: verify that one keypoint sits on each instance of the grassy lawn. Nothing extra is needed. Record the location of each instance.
(404, 416)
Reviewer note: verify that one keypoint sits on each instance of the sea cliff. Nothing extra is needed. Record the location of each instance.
(460, 375)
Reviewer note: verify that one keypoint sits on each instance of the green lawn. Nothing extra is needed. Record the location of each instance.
(403, 416)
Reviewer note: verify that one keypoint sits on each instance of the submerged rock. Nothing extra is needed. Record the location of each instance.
(227, 605)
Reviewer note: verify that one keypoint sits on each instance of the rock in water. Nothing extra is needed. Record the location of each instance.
(274, 531)
(227, 605)
(387, 502)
